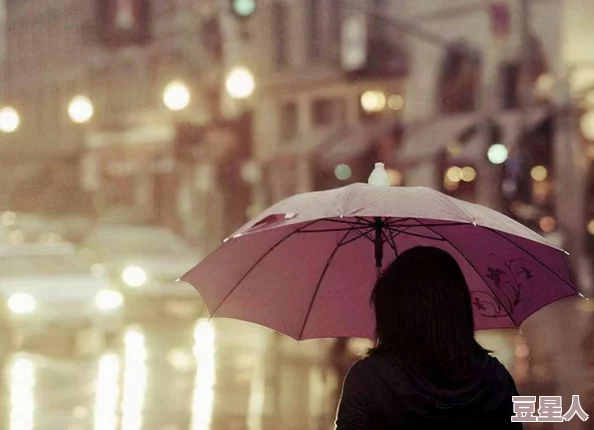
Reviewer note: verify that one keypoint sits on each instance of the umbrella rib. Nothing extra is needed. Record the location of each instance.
(318, 285)
(447, 224)
(478, 273)
(359, 236)
(329, 230)
(364, 221)
(538, 260)
(342, 221)
(390, 241)
(266, 254)
(416, 234)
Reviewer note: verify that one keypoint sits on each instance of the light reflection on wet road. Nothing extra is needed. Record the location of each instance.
(229, 375)
(165, 379)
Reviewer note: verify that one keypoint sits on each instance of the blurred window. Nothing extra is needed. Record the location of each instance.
(314, 31)
(280, 29)
(328, 111)
(459, 81)
(288, 122)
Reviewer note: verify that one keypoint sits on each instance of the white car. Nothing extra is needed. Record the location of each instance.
(53, 297)
(146, 262)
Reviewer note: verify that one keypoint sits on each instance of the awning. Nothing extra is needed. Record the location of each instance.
(424, 141)
(351, 142)
(512, 124)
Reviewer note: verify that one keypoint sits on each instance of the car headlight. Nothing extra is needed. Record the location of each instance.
(21, 303)
(108, 300)
(134, 276)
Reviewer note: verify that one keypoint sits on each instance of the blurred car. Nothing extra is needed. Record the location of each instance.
(53, 298)
(146, 261)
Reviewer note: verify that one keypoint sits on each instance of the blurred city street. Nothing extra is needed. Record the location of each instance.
(136, 136)
(212, 375)
(229, 375)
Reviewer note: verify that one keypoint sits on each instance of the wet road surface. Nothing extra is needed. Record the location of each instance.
(223, 374)
(213, 375)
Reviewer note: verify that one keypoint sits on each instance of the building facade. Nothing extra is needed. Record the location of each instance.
(496, 109)
(88, 80)
(314, 60)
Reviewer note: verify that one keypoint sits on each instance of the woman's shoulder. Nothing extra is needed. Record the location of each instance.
(374, 365)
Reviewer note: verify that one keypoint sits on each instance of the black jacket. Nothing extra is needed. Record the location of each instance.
(379, 394)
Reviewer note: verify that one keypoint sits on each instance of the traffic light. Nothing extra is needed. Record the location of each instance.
(243, 8)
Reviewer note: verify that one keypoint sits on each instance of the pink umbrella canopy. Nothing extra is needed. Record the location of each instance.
(306, 267)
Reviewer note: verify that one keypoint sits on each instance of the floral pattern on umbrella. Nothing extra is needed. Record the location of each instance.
(509, 278)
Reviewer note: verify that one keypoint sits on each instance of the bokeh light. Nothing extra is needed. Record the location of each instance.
(9, 120)
(373, 101)
(468, 174)
(80, 109)
(176, 96)
(21, 303)
(240, 83)
(244, 7)
(539, 173)
(342, 172)
(547, 224)
(134, 276)
(108, 300)
(453, 174)
(396, 102)
(497, 153)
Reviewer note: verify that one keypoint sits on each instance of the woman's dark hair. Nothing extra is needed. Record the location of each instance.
(424, 314)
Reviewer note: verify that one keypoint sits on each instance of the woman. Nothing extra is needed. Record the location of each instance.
(427, 370)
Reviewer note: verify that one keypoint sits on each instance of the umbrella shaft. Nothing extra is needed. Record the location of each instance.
(379, 244)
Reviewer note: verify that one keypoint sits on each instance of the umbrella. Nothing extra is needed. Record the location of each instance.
(307, 265)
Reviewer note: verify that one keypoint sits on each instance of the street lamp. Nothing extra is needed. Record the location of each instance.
(240, 83)
(80, 109)
(176, 96)
(9, 120)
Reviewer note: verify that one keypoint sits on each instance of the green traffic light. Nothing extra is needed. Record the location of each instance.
(244, 8)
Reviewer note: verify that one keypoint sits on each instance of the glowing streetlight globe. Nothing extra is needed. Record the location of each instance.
(240, 83)
(9, 120)
(497, 153)
(176, 96)
(80, 109)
